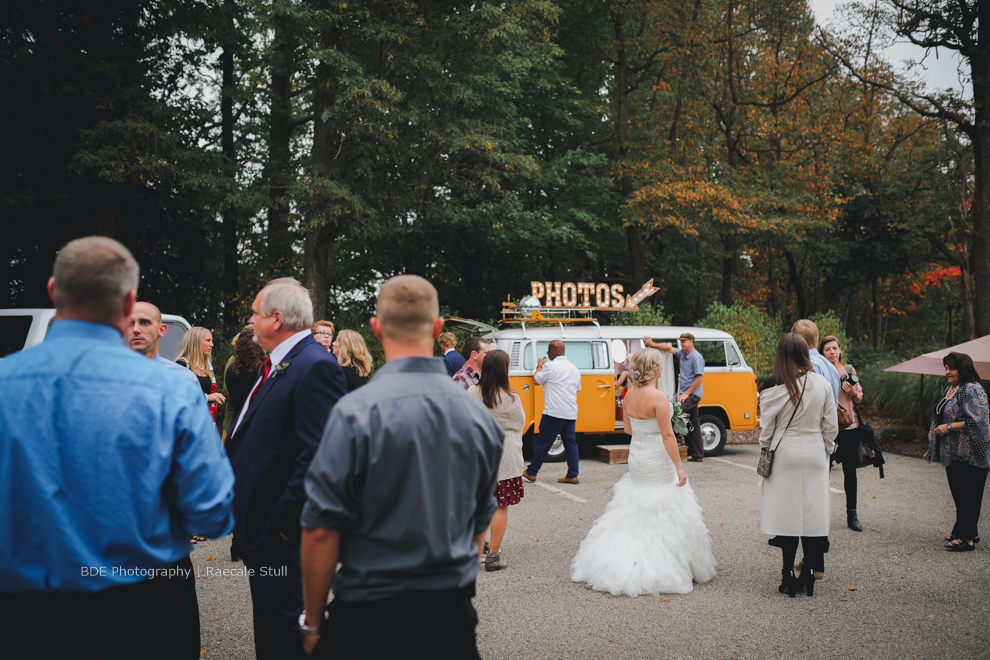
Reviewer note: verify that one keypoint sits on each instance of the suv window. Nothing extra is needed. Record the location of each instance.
(713, 352)
(168, 346)
(13, 333)
(582, 354)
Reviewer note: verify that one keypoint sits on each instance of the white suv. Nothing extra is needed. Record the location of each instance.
(24, 328)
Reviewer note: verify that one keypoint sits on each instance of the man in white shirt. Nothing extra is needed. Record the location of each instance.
(561, 381)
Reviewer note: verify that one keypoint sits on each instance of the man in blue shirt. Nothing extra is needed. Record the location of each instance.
(809, 331)
(690, 389)
(109, 464)
(143, 333)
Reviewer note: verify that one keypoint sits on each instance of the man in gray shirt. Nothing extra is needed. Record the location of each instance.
(401, 492)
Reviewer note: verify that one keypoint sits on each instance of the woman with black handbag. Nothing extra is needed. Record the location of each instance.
(959, 438)
(799, 425)
(847, 442)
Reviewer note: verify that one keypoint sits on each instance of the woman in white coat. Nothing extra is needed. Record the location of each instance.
(799, 422)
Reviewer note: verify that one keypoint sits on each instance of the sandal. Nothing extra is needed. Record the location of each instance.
(950, 538)
(960, 546)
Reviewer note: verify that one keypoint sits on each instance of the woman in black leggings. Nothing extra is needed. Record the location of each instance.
(847, 442)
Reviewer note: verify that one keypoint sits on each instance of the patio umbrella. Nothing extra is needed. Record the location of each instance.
(931, 363)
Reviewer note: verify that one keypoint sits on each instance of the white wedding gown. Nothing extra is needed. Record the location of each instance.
(652, 537)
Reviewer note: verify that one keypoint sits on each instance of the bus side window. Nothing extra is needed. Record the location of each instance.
(713, 352)
(732, 354)
(600, 350)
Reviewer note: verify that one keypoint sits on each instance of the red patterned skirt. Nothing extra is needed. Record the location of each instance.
(509, 491)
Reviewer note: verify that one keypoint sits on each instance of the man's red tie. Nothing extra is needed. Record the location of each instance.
(264, 377)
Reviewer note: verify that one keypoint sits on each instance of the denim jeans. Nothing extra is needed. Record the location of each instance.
(550, 428)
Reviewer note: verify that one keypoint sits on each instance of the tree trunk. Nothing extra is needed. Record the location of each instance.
(795, 280)
(772, 283)
(231, 281)
(966, 286)
(877, 314)
(106, 202)
(637, 261)
(728, 268)
(321, 229)
(316, 254)
(980, 134)
(279, 174)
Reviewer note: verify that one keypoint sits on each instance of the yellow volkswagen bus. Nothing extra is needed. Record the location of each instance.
(730, 400)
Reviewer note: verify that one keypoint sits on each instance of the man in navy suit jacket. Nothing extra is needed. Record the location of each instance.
(270, 449)
(451, 358)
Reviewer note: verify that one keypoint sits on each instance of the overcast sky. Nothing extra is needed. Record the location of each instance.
(939, 71)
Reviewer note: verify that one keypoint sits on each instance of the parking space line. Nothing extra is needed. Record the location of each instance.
(554, 489)
(750, 467)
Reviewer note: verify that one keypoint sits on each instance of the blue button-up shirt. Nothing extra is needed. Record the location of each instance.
(692, 366)
(108, 462)
(177, 368)
(824, 368)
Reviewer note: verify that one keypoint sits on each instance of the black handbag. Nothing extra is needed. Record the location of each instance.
(766, 454)
(868, 452)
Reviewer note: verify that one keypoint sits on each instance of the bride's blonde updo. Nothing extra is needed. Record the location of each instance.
(644, 365)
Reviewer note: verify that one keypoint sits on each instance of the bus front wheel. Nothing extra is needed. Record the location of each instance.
(713, 434)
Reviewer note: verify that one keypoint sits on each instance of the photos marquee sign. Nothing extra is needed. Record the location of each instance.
(568, 295)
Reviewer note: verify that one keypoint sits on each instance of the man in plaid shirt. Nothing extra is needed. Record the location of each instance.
(473, 352)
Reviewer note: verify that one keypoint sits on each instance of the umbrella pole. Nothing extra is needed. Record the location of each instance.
(921, 403)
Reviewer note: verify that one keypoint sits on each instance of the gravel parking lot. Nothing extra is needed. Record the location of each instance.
(911, 599)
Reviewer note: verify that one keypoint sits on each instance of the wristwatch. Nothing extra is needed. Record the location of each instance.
(311, 631)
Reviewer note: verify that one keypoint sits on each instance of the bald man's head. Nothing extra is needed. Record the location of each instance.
(555, 349)
(408, 309)
(145, 329)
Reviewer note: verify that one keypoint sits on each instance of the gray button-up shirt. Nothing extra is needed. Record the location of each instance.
(692, 366)
(406, 471)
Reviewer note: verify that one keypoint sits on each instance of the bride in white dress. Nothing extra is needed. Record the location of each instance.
(652, 537)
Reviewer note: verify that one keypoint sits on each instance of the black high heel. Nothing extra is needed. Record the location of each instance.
(788, 583)
(806, 582)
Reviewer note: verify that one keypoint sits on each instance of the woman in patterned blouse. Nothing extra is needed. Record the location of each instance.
(959, 438)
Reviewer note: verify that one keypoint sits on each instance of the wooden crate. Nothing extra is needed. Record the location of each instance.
(613, 454)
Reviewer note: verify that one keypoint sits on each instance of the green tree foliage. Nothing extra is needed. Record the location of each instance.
(755, 334)
(715, 147)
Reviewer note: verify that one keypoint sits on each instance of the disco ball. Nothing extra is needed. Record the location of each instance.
(528, 305)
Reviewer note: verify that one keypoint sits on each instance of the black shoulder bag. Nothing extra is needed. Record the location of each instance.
(766, 454)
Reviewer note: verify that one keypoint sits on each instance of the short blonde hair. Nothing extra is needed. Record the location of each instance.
(808, 331)
(644, 365)
(353, 352)
(408, 306)
(447, 340)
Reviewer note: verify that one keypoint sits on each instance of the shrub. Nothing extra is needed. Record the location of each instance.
(755, 333)
(899, 395)
(830, 324)
(646, 315)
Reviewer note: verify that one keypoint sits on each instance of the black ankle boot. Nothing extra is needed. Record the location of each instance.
(806, 583)
(853, 521)
(788, 583)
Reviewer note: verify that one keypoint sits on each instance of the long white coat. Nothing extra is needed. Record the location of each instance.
(795, 498)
